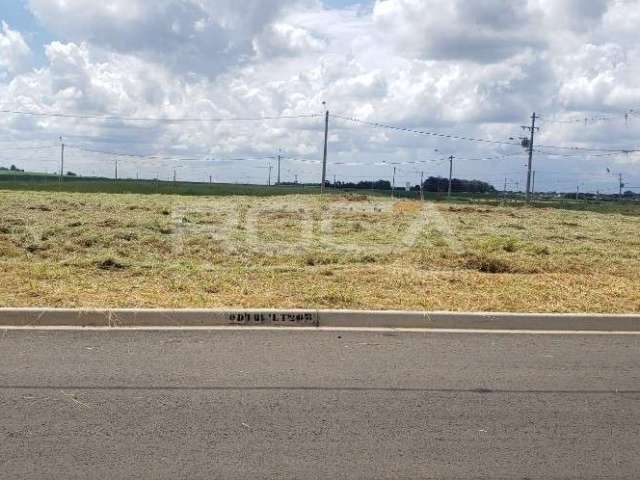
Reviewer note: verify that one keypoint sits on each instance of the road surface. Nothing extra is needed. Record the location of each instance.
(306, 405)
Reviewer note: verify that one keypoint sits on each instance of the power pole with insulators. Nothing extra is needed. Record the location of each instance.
(422, 186)
(451, 158)
(326, 144)
(61, 159)
(532, 130)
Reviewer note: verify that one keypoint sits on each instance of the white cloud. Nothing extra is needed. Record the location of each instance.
(481, 31)
(15, 54)
(203, 36)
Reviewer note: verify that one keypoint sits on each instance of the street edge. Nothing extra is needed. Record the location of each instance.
(114, 318)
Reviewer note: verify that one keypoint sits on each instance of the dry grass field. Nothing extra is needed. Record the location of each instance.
(104, 250)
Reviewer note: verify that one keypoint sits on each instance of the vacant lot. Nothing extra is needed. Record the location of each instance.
(101, 250)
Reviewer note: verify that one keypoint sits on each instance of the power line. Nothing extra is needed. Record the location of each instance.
(587, 149)
(422, 132)
(593, 118)
(157, 119)
(168, 158)
(479, 140)
(29, 148)
(206, 159)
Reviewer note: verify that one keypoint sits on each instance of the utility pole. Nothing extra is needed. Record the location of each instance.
(175, 176)
(422, 186)
(279, 159)
(532, 129)
(621, 185)
(533, 185)
(61, 159)
(116, 174)
(451, 158)
(504, 192)
(334, 180)
(578, 193)
(296, 178)
(393, 183)
(326, 144)
(269, 181)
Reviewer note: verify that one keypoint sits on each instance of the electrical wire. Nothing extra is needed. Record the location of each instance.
(422, 132)
(156, 119)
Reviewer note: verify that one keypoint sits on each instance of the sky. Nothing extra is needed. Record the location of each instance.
(220, 88)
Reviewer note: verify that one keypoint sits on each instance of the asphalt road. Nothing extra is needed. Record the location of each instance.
(283, 404)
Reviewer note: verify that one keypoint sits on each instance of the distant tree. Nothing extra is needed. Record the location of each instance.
(369, 185)
(71, 174)
(431, 184)
(441, 184)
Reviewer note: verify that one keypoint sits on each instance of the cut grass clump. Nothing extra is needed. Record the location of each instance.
(314, 259)
(495, 243)
(487, 264)
(352, 197)
(514, 226)
(539, 249)
(110, 264)
(407, 207)
(42, 208)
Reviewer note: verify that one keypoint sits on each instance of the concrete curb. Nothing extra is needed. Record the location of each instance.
(314, 318)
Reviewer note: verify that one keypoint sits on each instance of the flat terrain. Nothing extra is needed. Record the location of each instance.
(343, 251)
(166, 405)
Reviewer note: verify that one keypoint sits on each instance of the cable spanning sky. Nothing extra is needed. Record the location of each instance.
(153, 84)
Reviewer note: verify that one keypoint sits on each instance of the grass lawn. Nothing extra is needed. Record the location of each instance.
(102, 250)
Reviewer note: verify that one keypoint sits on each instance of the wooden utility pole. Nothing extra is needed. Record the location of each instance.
(532, 130)
(279, 159)
(621, 185)
(61, 159)
(326, 144)
(451, 158)
(393, 183)
(533, 185)
(422, 186)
